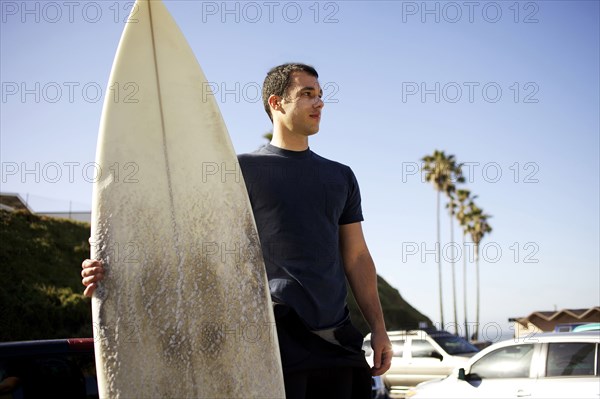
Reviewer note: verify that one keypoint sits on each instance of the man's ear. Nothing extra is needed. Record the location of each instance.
(274, 102)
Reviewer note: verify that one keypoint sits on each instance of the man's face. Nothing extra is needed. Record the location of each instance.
(302, 105)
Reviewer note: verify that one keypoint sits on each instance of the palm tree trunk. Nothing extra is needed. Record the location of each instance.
(477, 294)
(465, 283)
(453, 270)
(439, 261)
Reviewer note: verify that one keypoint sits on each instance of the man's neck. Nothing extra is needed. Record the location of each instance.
(290, 141)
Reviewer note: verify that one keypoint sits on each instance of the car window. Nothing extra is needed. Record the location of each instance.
(570, 359)
(509, 362)
(421, 348)
(398, 347)
(454, 345)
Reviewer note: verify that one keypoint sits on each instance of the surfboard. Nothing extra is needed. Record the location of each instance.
(184, 309)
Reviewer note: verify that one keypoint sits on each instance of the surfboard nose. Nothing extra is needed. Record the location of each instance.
(187, 280)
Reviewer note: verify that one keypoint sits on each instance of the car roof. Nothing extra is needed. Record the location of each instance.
(542, 337)
(546, 337)
(561, 336)
(46, 347)
(418, 333)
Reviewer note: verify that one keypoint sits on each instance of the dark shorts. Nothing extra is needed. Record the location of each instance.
(315, 368)
(329, 383)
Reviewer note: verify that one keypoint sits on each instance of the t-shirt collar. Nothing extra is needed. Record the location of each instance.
(288, 153)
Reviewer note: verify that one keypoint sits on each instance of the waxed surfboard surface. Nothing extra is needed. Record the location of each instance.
(184, 309)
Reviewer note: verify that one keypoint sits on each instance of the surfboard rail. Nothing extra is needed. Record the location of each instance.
(184, 309)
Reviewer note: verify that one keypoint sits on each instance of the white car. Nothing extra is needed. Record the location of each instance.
(421, 355)
(549, 365)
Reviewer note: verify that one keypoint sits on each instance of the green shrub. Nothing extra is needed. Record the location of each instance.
(40, 289)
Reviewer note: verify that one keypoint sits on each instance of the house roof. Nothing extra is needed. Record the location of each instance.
(591, 314)
(14, 202)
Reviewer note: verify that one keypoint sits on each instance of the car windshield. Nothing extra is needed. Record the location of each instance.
(454, 345)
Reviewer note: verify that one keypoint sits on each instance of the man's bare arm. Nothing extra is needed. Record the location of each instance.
(361, 274)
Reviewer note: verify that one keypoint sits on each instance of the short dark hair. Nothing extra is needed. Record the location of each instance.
(278, 80)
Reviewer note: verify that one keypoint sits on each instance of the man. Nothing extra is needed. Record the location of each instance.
(308, 214)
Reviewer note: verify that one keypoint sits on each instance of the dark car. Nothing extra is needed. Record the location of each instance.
(61, 368)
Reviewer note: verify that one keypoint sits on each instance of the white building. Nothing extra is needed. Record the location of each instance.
(13, 201)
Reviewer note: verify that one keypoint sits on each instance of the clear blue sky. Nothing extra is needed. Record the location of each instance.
(509, 87)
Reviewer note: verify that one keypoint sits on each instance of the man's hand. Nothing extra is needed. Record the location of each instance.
(92, 273)
(382, 352)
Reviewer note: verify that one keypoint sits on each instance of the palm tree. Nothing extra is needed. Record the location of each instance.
(478, 227)
(452, 205)
(456, 177)
(465, 202)
(439, 170)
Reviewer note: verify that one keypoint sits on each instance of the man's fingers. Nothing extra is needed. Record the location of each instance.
(91, 263)
(375, 371)
(89, 290)
(387, 360)
(92, 271)
(87, 280)
(377, 358)
(382, 354)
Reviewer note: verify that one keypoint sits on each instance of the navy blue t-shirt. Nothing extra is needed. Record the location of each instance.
(299, 200)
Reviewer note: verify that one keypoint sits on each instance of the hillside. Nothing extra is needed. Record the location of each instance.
(40, 289)
(398, 313)
(40, 285)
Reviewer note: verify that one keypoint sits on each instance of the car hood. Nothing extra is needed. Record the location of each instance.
(464, 356)
(437, 388)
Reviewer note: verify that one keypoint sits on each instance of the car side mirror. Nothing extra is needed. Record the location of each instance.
(470, 378)
(473, 379)
(436, 355)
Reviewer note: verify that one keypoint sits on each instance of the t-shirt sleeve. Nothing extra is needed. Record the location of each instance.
(352, 210)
